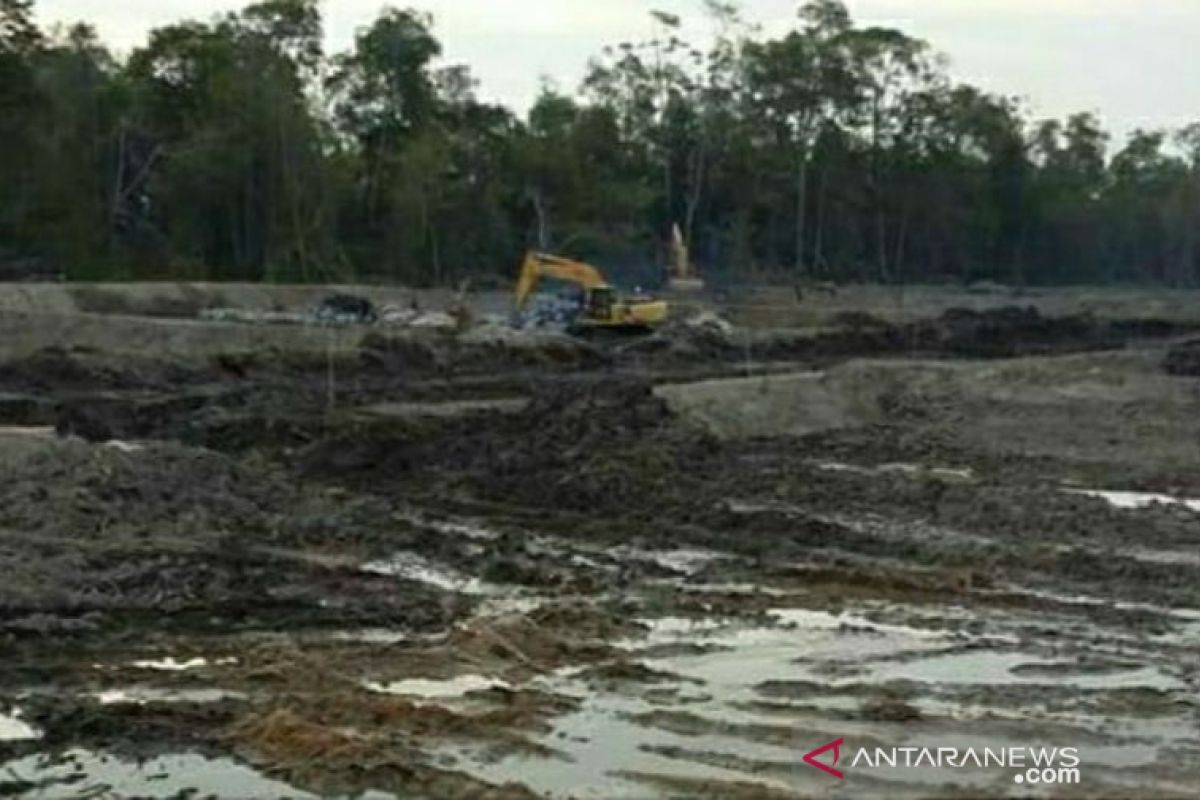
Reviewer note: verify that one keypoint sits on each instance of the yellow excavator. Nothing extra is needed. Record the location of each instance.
(603, 309)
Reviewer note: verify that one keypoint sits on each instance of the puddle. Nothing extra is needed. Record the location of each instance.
(380, 636)
(1169, 557)
(84, 773)
(170, 664)
(616, 732)
(600, 741)
(15, 729)
(438, 689)
(146, 695)
(414, 567)
(38, 432)
(469, 529)
(735, 589)
(917, 470)
(798, 644)
(684, 561)
(991, 668)
(514, 603)
(1183, 614)
(719, 722)
(790, 628)
(1138, 500)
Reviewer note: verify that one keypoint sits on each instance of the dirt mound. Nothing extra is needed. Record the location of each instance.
(579, 447)
(486, 349)
(966, 333)
(1011, 331)
(1184, 359)
(315, 751)
(282, 736)
(186, 304)
(705, 336)
(86, 491)
(57, 369)
(1005, 332)
(858, 319)
(94, 535)
(103, 528)
(399, 353)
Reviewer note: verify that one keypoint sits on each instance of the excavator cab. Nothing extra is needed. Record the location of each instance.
(600, 301)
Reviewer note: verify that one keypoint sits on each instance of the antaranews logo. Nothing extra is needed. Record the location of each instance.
(1032, 765)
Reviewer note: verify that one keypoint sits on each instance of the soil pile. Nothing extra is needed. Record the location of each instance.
(94, 535)
(1184, 359)
(84, 492)
(958, 333)
(994, 333)
(57, 369)
(589, 448)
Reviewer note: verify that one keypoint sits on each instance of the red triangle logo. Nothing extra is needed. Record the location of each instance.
(836, 747)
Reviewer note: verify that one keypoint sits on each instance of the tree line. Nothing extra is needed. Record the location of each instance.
(237, 148)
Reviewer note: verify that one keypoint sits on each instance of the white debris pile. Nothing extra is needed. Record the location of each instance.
(434, 319)
(690, 337)
(412, 317)
(338, 311)
(345, 309)
(497, 332)
(550, 311)
(15, 729)
(709, 322)
(253, 316)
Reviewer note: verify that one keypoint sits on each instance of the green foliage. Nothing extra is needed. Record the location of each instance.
(236, 148)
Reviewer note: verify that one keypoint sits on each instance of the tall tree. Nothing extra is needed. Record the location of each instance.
(799, 84)
(236, 148)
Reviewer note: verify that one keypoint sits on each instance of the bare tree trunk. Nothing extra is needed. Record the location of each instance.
(877, 191)
(1187, 258)
(801, 212)
(1019, 256)
(539, 208)
(437, 256)
(246, 228)
(235, 238)
(819, 233)
(693, 203)
(118, 193)
(431, 237)
(435, 245)
(901, 237)
(290, 180)
(881, 240)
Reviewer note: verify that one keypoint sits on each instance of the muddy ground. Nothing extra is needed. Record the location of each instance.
(486, 565)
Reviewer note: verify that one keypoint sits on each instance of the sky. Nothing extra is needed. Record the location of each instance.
(1136, 63)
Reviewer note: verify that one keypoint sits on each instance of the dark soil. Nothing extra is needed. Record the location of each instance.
(1184, 359)
(255, 495)
(97, 538)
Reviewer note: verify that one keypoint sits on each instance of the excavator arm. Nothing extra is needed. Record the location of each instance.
(541, 265)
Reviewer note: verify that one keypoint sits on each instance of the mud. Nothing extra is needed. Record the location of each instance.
(1184, 359)
(1004, 332)
(522, 566)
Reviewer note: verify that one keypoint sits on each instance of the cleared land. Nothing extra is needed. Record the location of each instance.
(268, 560)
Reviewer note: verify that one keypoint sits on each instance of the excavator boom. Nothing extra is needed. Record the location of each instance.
(541, 265)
